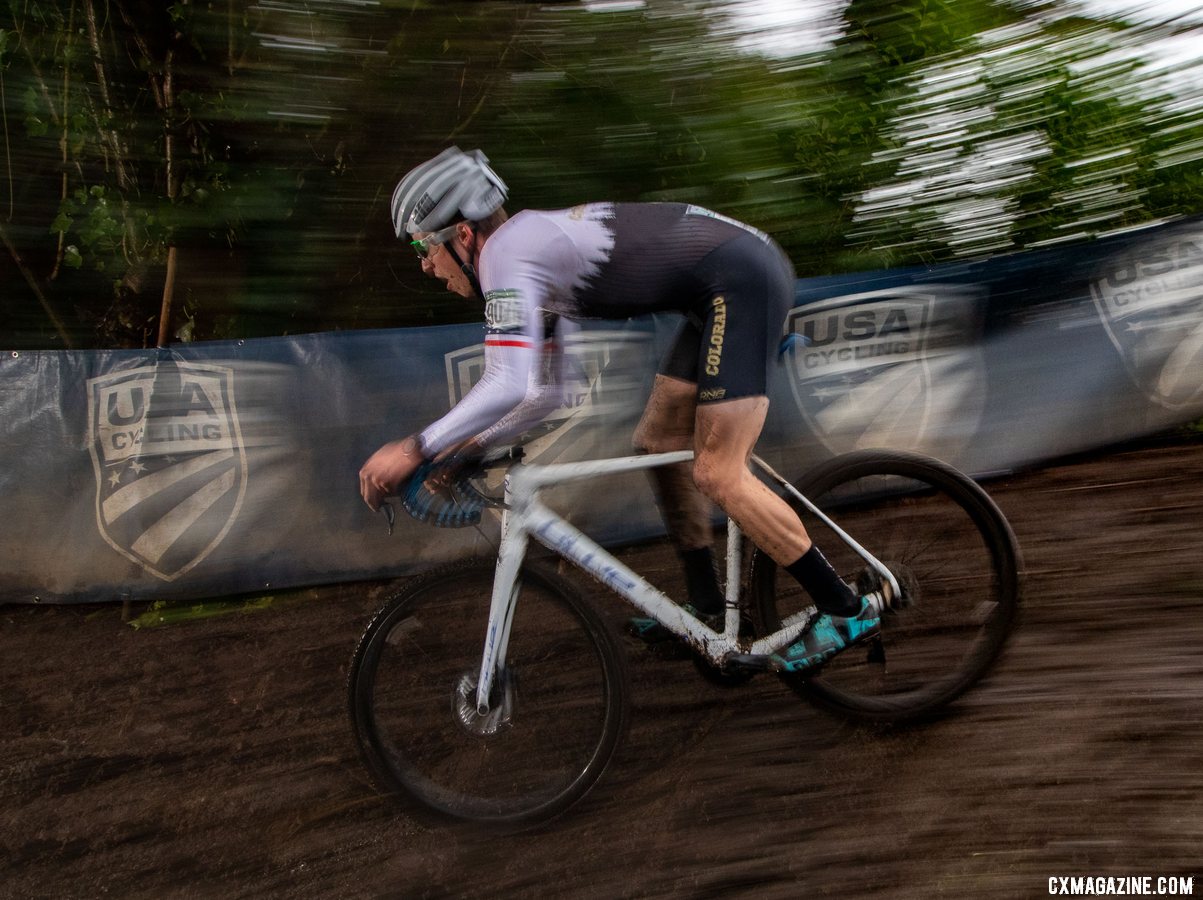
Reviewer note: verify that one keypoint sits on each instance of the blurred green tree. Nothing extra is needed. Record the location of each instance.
(237, 158)
(1026, 130)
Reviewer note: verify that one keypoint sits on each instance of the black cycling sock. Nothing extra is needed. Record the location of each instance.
(701, 581)
(826, 588)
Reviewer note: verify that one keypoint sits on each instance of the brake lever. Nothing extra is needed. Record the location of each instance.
(389, 514)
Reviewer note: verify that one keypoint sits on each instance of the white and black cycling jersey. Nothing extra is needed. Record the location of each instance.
(594, 261)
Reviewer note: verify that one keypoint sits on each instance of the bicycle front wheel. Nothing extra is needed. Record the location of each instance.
(557, 710)
(955, 558)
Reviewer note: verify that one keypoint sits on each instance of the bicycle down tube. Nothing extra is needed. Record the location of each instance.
(525, 517)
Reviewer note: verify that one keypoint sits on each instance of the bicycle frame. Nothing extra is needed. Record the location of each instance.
(526, 517)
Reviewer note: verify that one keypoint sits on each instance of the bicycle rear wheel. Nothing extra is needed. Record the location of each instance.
(559, 707)
(957, 562)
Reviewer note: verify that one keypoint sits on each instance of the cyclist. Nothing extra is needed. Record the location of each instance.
(733, 285)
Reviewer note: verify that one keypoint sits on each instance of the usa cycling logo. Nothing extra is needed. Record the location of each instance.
(170, 463)
(890, 368)
(1150, 300)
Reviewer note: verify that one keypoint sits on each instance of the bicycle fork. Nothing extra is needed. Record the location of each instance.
(506, 585)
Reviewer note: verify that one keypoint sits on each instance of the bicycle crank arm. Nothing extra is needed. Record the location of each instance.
(749, 662)
(764, 662)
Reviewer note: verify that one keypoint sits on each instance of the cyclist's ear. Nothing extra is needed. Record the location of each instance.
(465, 234)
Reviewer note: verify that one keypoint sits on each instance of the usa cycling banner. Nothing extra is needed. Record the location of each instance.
(225, 468)
(1006, 362)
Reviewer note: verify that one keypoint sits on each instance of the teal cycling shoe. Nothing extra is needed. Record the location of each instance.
(826, 636)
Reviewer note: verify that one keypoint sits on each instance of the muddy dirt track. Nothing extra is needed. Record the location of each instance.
(213, 758)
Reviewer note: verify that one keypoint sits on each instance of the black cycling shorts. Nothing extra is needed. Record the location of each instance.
(727, 341)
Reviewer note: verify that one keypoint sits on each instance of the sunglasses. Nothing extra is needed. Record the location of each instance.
(425, 246)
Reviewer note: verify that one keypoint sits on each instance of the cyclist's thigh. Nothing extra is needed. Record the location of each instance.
(750, 287)
(681, 360)
(667, 422)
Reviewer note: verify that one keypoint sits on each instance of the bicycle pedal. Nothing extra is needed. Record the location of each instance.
(877, 652)
(748, 662)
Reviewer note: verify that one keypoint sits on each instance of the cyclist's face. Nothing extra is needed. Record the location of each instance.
(440, 263)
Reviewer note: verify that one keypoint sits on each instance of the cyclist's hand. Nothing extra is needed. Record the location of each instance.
(391, 465)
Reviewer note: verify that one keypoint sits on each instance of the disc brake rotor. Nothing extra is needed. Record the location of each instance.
(501, 705)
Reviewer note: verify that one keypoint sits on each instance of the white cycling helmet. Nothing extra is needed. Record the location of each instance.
(447, 189)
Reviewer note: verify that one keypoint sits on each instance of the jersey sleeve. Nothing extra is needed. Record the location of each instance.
(514, 392)
(510, 356)
(544, 393)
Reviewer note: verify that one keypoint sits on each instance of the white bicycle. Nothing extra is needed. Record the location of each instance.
(493, 691)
